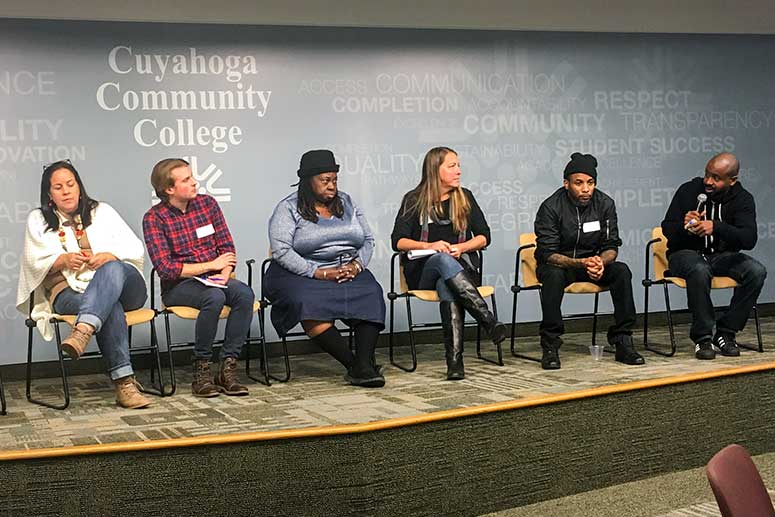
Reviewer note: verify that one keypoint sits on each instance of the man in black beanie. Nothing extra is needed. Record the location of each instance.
(577, 237)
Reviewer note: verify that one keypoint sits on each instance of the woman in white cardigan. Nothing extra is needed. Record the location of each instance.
(81, 258)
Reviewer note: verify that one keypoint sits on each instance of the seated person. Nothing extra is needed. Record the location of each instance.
(577, 238)
(708, 222)
(187, 237)
(80, 257)
(321, 246)
(441, 215)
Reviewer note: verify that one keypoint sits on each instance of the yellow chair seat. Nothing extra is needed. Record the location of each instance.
(132, 317)
(717, 282)
(585, 288)
(190, 313)
(432, 295)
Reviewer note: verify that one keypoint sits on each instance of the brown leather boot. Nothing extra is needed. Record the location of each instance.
(128, 393)
(227, 378)
(76, 342)
(203, 385)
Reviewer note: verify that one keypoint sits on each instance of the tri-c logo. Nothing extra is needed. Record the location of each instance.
(207, 178)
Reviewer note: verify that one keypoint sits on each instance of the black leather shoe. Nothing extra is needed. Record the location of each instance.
(550, 360)
(629, 356)
(725, 343)
(625, 351)
(366, 378)
(704, 350)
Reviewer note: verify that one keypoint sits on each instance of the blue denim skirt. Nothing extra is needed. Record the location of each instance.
(296, 298)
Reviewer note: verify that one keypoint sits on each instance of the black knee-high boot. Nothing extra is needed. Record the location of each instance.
(362, 372)
(452, 320)
(468, 295)
(332, 343)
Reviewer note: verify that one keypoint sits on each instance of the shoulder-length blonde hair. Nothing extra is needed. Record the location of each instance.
(426, 196)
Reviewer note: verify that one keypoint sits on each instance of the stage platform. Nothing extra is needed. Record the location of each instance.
(503, 438)
(318, 400)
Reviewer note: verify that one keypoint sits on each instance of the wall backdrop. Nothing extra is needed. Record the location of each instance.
(243, 103)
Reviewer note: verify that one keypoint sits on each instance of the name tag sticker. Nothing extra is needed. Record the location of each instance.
(204, 231)
(591, 226)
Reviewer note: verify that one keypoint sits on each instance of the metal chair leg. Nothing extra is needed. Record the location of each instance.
(498, 347)
(287, 376)
(760, 347)
(650, 347)
(412, 347)
(263, 366)
(514, 353)
(2, 397)
(391, 330)
(594, 319)
(158, 389)
(62, 372)
(646, 316)
(173, 381)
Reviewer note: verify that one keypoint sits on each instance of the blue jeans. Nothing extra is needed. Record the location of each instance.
(210, 301)
(116, 287)
(698, 269)
(437, 269)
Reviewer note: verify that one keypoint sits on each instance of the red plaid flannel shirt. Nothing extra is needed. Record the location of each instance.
(170, 236)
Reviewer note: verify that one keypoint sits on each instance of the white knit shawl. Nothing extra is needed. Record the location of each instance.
(107, 233)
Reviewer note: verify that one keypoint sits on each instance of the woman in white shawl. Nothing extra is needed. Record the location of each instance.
(81, 258)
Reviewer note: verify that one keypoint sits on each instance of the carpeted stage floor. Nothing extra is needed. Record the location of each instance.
(506, 437)
(318, 396)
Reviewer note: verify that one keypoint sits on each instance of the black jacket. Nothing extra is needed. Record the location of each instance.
(575, 231)
(733, 214)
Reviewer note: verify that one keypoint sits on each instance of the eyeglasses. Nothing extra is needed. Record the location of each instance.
(66, 160)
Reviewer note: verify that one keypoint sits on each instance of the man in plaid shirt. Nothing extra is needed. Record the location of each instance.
(190, 246)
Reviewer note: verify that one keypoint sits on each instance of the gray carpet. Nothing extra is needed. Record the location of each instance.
(678, 494)
(318, 396)
(465, 466)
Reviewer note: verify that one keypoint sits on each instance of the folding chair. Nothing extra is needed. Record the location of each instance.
(136, 317)
(657, 248)
(266, 303)
(431, 296)
(188, 313)
(264, 358)
(525, 258)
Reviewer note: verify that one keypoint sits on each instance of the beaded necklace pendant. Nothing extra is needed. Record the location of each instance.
(77, 229)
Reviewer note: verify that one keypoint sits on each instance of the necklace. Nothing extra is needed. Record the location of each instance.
(78, 229)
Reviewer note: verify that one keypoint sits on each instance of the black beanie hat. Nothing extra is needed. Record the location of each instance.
(585, 163)
(317, 162)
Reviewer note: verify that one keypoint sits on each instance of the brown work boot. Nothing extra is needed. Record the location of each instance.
(76, 342)
(227, 378)
(128, 393)
(203, 380)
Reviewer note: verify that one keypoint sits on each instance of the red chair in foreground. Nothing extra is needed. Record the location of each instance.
(737, 485)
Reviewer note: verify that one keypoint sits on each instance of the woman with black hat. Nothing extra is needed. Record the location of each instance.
(442, 216)
(321, 245)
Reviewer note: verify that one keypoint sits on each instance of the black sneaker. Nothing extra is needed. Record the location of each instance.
(725, 343)
(550, 360)
(704, 350)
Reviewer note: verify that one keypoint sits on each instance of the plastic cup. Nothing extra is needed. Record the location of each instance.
(596, 351)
